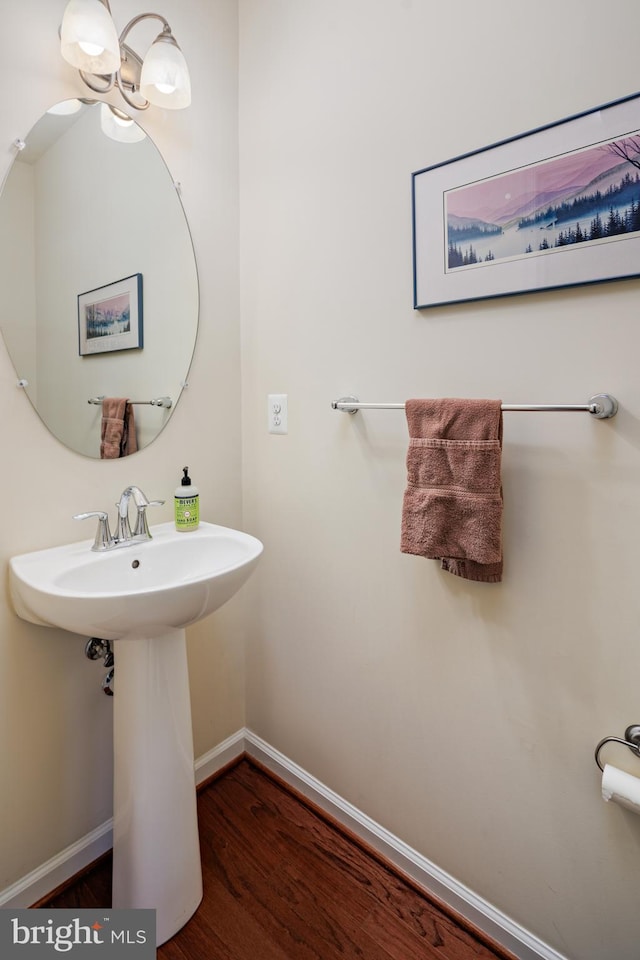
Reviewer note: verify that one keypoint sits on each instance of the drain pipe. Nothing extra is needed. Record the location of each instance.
(96, 649)
(107, 683)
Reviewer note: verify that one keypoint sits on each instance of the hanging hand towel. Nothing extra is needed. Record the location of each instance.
(452, 508)
(117, 430)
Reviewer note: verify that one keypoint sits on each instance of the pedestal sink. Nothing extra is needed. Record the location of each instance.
(142, 597)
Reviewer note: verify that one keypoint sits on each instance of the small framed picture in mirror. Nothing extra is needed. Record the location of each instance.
(110, 317)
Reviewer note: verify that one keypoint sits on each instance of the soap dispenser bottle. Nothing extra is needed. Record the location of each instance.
(187, 504)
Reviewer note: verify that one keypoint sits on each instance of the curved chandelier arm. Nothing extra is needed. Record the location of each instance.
(141, 104)
(144, 16)
(90, 78)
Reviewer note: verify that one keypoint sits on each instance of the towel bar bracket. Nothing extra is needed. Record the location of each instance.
(604, 406)
(344, 404)
(631, 740)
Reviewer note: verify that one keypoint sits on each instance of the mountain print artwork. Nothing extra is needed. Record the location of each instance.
(587, 196)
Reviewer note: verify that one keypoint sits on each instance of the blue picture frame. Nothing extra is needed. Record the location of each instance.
(557, 206)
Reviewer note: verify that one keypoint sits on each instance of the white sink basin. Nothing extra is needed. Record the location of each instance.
(171, 581)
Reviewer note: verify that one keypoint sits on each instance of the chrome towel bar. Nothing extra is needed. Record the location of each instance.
(602, 406)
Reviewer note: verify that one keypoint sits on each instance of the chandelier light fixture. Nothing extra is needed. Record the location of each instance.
(89, 41)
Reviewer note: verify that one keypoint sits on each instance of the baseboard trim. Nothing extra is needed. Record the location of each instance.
(209, 764)
(58, 869)
(480, 913)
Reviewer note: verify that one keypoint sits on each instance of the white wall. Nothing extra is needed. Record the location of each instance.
(55, 723)
(462, 717)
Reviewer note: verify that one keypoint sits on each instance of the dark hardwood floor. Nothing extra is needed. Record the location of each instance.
(282, 882)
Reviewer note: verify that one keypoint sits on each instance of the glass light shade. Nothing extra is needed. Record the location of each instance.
(88, 37)
(164, 80)
(65, 108)
(120, 128)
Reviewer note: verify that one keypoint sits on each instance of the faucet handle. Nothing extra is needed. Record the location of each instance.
(142, 527)
(103, 538)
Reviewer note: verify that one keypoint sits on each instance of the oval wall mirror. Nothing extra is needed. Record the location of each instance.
(98, 275)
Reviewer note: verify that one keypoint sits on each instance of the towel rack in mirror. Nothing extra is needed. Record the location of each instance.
(158, 402)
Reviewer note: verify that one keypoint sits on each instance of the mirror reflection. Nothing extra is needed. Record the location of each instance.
(98, 276)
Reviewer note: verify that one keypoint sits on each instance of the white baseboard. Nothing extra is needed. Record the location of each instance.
(230, 749)
(426, 874)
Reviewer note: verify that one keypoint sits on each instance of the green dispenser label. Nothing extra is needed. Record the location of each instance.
(187, 513)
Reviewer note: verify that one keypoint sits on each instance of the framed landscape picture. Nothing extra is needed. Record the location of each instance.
(110, 317)
(555, 207)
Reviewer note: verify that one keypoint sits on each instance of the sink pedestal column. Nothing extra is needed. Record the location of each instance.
(156, 850)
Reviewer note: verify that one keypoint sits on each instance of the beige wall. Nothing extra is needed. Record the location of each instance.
(462, 717)
(55, 723)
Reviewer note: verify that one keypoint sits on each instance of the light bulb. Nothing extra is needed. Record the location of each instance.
(91, 49)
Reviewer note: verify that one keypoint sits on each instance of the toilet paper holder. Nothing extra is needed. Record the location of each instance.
(631, 740)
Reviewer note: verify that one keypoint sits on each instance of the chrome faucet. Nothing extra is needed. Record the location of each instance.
(141, 528)
(124, 536)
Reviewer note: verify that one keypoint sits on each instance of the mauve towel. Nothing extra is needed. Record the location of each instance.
(117, 429)
(452, 507)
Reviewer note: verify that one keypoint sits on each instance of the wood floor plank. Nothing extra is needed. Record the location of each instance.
(172, 951)
(281, 882)
(198, 941)
(286, 911)
(238, 928)
(372, 886)
(443, 940)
